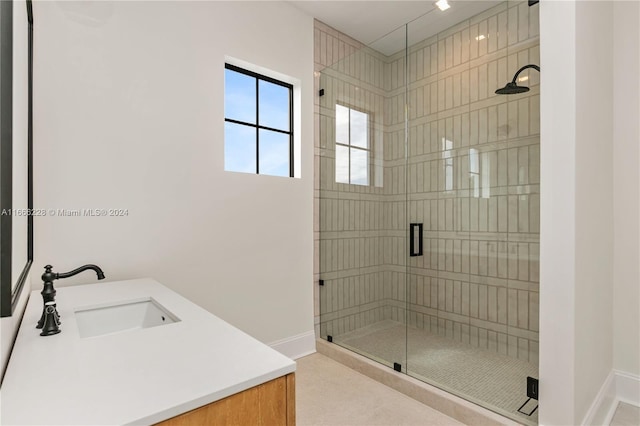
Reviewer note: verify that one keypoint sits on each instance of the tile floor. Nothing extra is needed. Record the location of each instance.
(328, 393)
(626, 415)
(487, 378)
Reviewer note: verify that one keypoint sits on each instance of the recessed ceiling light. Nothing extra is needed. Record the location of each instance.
(443, 4)
(480, 37)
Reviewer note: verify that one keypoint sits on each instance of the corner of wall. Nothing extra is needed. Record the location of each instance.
(618, 387)
(626, 187)
(297, 346)
(557, 212)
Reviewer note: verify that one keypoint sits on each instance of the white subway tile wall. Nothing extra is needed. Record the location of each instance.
(472, 178)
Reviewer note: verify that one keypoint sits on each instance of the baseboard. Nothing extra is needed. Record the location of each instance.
(627, 387)
(297, 346)
(619, 386)
(604, 404)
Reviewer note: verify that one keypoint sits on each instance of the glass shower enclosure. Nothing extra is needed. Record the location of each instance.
(429, 204)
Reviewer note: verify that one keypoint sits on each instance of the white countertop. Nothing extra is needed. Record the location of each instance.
(139, 376)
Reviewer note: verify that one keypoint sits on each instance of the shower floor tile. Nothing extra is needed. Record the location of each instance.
(487, 378)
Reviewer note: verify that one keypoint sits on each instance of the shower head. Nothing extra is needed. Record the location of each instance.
(512, 88)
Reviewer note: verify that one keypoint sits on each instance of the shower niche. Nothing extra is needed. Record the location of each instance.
(427, 195)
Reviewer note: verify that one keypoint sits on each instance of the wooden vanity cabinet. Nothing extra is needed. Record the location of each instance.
(269, 404)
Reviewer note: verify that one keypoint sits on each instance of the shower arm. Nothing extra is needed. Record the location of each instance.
(515, 77)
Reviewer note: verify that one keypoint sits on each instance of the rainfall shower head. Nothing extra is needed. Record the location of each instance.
(512, 88)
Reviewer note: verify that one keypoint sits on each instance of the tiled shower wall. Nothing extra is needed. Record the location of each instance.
(473, 180)
(349, 219)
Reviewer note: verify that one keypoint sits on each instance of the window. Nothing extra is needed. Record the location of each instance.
(479, 168)
(447, 156)
(258, 130)
(353, 150)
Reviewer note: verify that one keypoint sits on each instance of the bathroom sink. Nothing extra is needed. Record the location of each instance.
(122, 316)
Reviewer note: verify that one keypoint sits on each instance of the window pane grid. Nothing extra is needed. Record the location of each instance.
(275, 124)
(244, 123)
(353, 152)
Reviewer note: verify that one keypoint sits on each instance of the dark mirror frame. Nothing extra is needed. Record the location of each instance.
(8, 297)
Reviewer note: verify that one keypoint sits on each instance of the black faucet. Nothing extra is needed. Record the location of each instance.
(50, 320)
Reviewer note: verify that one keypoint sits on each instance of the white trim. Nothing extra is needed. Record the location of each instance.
(619, 386)
(627, 387)
(297, 106)
(297, 346)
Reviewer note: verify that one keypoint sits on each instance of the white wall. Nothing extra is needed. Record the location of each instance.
(557, 212)
(589, 205)
(626, 136)
(594, 201)
(129, 113)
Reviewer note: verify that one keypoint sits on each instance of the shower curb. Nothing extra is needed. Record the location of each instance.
(451, 405)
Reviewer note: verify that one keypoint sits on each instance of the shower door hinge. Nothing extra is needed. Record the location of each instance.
(321, 92)
(320, 282)
(397, 367)
(532, 388)
(532, 393)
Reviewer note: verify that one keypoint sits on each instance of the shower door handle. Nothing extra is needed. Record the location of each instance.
(415, 239)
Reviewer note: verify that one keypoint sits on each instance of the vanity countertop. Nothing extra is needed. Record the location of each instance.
(140, 376)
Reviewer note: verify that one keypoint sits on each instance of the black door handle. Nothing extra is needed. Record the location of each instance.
(415, 239)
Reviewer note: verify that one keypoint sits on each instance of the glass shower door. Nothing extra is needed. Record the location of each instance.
(473, 182)
(362, 208)
(428, 203)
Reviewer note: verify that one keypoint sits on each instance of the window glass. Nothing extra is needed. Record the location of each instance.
(239, 97)
(359, 129)
(359, 167)
(239, 148)
(342, 125)
(342, 164)
(274, 105)
(274, 153)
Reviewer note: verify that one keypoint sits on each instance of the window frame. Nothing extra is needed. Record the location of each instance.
(350, 146)
(257, 125)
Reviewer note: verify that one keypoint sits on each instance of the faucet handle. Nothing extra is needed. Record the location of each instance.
(48, 275)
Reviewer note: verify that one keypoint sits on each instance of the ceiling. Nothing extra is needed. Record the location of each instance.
(380, 24)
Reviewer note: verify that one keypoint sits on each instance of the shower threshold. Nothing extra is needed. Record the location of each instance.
(486, 378)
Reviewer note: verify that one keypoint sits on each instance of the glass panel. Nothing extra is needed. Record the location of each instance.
(359, 167)
(464, 315)
(342, 125)
(359, 129)
(473, 181)
(239, 96)
(239, 148)
(274, 106)
(363, 240)
(342, 164)
(274, 153)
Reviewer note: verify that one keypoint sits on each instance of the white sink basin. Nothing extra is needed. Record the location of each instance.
(122, 316)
